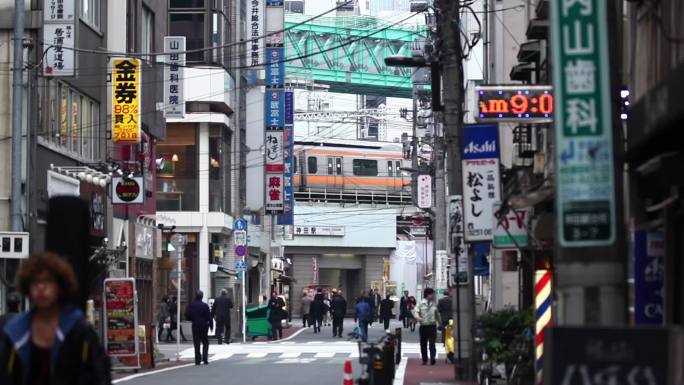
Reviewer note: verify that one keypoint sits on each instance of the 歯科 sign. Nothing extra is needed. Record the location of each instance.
(126, 101)
(121, 318)
(585, 187)
(174, 66)
(519, 103)
(480, 149)
(127, 190)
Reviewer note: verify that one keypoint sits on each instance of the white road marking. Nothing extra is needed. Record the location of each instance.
(325, 355)
(401, 370)
(296, 361)
(257, 355)
(290, 355)
(134, 376)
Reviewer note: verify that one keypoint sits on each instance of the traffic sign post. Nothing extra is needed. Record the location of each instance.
(178, 241)
(240, 240)
(240, 237)
(240, 224)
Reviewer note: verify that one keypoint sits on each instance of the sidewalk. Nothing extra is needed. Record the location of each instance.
(439, 374)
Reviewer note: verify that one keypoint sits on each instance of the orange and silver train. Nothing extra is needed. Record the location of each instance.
(350, 166)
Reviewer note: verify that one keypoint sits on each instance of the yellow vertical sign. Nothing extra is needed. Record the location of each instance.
(126, 100)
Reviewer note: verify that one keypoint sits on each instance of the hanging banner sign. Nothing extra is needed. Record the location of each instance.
(481, 185)
(275, 67)
(174, 100)
(60, 57)
(424, 187)
(127, 190)
(287, 217)
(274, 151)
(511, 230)
(649, 277)
(58, 10)
(256, 31)
(456, 240)
(126, 100)
(121, 317)
(585, 186)
(274, 192)
(275, 109)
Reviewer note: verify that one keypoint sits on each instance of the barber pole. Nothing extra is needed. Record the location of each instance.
(542, 290)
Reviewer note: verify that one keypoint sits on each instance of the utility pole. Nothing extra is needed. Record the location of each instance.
(450, 51)
(17, 99)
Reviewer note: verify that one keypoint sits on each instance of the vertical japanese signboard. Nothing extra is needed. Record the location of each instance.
(174, 101)
(287, 217)
(424, 193)
(59, 37)
(256, 31)
(456, 240)
(277, 151)
(585, 197)
(649, 276)
(126, 101)
(121, 337)
(481, 189)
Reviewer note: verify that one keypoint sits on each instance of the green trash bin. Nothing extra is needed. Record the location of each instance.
(257, 321)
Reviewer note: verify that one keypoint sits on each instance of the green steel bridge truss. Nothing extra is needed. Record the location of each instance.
(347, 54)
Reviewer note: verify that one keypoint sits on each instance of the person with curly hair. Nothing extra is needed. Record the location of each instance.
(52, 343)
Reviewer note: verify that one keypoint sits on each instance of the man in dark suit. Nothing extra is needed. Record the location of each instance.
(221, 312)
(200, 316)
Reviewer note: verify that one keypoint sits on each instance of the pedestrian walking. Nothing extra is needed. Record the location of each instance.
(358, 299)
(52, 343)
(326, 318)
(339, 309)
(276, 316)
(403, 310)
(173, 309)
(363, 314)
(305, 310)
(427, 315)
(13, 303)
(386, 308)
(411, 305)
(164, 320)
(221, 312)
(374, 300)
(317, 311)
(199, 314)
(445, 313)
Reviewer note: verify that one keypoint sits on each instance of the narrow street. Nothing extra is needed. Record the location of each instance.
(304, 357)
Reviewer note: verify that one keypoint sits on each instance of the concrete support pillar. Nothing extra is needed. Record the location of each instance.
(203, 241)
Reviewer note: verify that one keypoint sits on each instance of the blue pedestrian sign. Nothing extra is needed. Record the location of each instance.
(240, 266)
(240, 224)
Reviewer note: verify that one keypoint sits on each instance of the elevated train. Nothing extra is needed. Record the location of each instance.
(351, 171)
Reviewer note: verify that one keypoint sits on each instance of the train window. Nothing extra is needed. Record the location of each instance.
(398, 168)
(365, 167)
(330, 166)
(338, 165)
(312, 165)
(390, 168)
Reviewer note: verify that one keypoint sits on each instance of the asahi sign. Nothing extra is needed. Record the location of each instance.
(585, 193)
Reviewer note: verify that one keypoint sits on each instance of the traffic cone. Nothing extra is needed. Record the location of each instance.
(348, 378)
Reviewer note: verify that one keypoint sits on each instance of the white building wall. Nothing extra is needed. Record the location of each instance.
(254, 127)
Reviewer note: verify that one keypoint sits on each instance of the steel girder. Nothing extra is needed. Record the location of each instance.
(348, 54)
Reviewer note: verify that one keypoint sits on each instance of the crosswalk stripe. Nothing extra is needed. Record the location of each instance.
(324, 355)
(257, 355)
(290, 355)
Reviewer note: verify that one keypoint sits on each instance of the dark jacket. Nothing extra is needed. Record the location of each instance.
(77, 356)
(221, 308)
(338, 306)
(317, 307)
(5, 318)
(403, 307)
(277, 313)
(363, 311)
(200, 316)
(374, 300)
(386, 307)
(444, 309)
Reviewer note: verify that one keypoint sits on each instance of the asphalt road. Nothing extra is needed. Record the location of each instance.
(307, 358)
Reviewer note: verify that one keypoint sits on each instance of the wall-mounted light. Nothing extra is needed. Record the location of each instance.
(174, 158)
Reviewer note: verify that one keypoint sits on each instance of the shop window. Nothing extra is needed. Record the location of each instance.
(177, 182)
